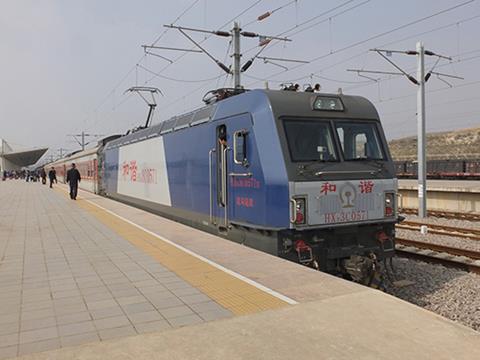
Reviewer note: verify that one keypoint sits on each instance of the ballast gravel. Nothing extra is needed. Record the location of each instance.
(452, 293)
(461, 243)
(444, 221)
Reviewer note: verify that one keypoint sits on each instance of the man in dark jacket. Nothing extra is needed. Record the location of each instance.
(73, 178)
(43, 175)
(52, 176)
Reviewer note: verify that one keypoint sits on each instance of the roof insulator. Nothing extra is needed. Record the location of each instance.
(224, 67)
(264, 42)
(264, 16)
(249, 34)
(222, 33)
(247, 65)
(412, 79)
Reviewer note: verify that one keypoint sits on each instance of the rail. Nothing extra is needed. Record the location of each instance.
(444, 214)
(439, 254)
(439, 248)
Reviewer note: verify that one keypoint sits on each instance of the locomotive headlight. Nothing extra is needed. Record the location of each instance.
(300, 211)
(389, 204)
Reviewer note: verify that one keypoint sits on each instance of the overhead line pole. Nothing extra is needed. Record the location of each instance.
(420, 81)
(421, 140)
(236, 56)
(61, 151)
(235, 34)
(82, 136)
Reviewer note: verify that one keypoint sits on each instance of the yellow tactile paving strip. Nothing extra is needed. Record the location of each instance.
(232, 293)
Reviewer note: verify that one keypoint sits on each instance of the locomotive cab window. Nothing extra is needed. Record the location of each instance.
(359, 141)
(310, 140)
(240, 147)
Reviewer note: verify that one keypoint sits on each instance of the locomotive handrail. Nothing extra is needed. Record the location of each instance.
(294, 209)
(248, 174)
(210, 182)
(371, 172)
(224, 184)
(399, 200)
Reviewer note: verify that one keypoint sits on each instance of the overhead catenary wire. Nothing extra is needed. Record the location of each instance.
(455, 60)
(305, 22)
(310, 75)
(429, 91)
(326, 12)
(431, 105)
(329, 19)
(269, 13)
(134, 67)
(323, 13)
(416, 21)
(224, 61)
(412, 36)
(251, 6)
(175, 60)
(174, 21)
(179, 80)
(373, 37)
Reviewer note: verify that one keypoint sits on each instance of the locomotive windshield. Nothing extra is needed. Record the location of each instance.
(359, 141)
(310, 140)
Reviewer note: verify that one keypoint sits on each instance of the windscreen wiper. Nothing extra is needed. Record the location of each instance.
(378, 162)
(306, 168)
(365, 159)
(343, 172)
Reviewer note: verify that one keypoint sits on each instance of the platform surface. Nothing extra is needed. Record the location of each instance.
(97, 279)
(443, 185)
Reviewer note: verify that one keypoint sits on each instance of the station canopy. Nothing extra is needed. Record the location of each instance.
(15, 159)
(26, 157)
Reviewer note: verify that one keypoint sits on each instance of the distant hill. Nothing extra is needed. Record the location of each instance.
(459, 144)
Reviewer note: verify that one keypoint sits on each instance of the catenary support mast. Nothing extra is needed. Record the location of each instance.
(421, 142)
(236, 56)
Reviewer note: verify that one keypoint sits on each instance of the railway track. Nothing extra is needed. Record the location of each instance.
(463, 259)
(473, 234)
(445, 214)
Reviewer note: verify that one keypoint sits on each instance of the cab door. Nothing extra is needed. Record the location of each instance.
(227, 163)
(240, 181)
(218, 167)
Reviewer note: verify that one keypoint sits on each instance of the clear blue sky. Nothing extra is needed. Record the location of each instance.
(66, 64)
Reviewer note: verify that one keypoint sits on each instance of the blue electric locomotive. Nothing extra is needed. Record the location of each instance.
(301, 175)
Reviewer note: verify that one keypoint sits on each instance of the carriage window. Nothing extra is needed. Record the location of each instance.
(359, 141)
(310, 140)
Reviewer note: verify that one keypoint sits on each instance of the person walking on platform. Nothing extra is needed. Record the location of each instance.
(52, 176)
(43, 175)
(73, 178)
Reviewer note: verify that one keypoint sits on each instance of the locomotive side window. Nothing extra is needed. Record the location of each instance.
(359, 141)
(240, 147)
(310, 140)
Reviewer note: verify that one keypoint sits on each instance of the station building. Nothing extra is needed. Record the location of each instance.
(11, 159)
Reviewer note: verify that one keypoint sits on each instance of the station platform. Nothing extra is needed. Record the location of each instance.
(468, 186)
(442, 195)
(97, 279)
